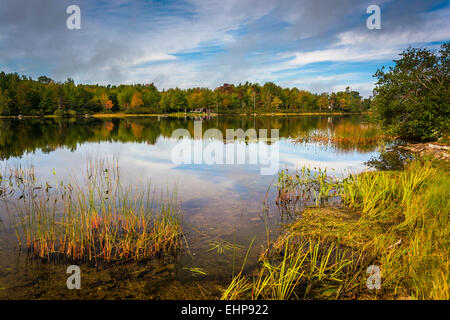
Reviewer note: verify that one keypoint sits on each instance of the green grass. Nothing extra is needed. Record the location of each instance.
(310, 186)
(296, 267)
(397, 220)
(410, 209)
(96, 218)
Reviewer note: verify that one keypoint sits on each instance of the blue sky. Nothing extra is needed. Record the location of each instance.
(310, 44)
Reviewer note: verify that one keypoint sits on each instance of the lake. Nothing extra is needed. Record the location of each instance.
(220, 203)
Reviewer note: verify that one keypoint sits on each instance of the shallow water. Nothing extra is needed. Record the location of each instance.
(220, 202)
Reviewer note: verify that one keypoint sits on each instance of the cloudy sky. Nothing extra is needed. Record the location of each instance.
(318, 45)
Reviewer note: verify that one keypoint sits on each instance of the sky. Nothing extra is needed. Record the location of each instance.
(315, 45)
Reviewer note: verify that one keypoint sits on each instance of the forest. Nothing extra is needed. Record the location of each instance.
(22, 95)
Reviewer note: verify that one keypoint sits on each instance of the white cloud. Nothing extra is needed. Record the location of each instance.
(125, 42)
(436, 28)
(348, 54)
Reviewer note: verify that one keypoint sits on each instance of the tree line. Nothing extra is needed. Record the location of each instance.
(21, 95)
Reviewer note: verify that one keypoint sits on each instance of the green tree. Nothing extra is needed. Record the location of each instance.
(151, 96)
(412, 99)
(178, 101)
(4, 103)
(48, 100)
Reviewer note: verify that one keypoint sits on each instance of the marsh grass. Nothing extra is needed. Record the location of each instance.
(346, 136)
(406, 214)
(96, 219)
(296, 267)
(309, 186)
(15, 177)
(397, 220)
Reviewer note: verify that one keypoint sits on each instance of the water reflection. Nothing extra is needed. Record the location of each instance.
(18, 137)
(144, 147)
(212, 195)
(219, 202)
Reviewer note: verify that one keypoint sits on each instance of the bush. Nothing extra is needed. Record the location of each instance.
(65, 113)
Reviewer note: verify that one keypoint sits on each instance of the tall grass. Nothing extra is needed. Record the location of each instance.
(379, 192)
(397, 220)
(96, 218)
(412, 208)
(349, 136)
(306, 185)
(295, 267)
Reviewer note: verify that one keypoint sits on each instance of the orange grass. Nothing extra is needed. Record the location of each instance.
(348, 136)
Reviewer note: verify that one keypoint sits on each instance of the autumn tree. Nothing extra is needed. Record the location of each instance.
(196, 100)
(23, 95)
(276, 103)
(106, 102)
(136, 100)
(109, 105)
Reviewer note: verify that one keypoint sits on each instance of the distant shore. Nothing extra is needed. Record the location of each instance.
(187, 114)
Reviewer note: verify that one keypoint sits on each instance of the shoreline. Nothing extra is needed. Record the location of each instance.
(188, 114)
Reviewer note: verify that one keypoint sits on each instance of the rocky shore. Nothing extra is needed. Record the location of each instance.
(437, 150)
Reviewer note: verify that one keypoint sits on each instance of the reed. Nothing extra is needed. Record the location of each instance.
(347, 136)
(95, 219)
(294, 267)
(307, 186)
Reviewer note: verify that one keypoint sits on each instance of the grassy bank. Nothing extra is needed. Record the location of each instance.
(395, 220)
(95, 218)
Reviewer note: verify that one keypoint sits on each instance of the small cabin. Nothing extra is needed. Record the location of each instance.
(202, 110)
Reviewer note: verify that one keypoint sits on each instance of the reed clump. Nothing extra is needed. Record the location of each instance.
(348, 136)
(297, 267)
(309, 186)
(96, 219)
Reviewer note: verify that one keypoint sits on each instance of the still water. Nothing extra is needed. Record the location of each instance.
(219, 202)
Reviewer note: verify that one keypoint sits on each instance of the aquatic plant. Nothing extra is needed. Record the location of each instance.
(362, 137)
(309, 186)
(95, 219)
(196, 271)
(221, 246)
